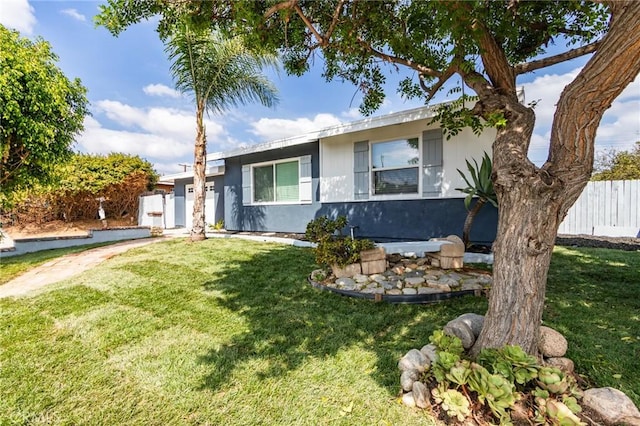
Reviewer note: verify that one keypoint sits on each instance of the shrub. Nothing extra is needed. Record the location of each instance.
(333, 248)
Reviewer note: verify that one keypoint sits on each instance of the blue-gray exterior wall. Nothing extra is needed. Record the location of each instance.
(273, 218)
(413, 219)
(380, 220)
(218, 185)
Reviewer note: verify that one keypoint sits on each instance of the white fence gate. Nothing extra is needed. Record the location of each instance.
(157, 211)
(606, 208)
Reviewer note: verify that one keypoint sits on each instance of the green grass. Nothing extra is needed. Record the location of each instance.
(228, 331)
(11, 267)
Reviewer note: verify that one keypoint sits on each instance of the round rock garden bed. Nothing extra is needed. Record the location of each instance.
(406, 280)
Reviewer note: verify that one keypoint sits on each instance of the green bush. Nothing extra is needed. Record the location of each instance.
(333, 248)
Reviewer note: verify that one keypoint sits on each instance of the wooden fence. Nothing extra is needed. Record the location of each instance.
(606, 208)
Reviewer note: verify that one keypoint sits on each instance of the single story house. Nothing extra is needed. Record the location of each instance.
(393, 176)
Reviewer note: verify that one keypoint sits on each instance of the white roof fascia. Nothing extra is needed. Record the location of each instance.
(210, 171)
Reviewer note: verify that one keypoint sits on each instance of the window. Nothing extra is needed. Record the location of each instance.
(395, 166)
(277, 182)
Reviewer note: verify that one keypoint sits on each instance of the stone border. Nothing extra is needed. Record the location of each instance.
(397, 299)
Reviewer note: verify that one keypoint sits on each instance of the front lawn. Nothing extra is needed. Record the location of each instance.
(229, 332)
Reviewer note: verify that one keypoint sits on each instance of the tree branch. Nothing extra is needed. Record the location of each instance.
(322, 40)
(526, 67)
(280, 6)
(334, 21)
(397, 60)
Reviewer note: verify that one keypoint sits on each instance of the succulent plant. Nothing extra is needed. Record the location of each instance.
(553, 380)
(453, 402)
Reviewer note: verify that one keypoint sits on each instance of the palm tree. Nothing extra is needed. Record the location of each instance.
(220, 73)
(482, 188)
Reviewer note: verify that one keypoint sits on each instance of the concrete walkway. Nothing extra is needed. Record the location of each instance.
(67, 266)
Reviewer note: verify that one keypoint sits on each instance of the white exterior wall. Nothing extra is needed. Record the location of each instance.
(336, 158)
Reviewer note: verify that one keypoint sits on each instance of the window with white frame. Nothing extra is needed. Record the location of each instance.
(395, 166)
(276, 182)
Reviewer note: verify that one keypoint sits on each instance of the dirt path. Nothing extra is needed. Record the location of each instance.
(67, 266)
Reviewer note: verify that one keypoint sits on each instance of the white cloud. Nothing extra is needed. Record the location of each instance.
(169, 122)
(277, 128)
(160, 90)
(97, 139)
(19, 15)
(74, 14)
(164, 136)
(619, 128)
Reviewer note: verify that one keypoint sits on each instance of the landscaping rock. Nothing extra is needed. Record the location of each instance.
(551, 344)
(461, 330)
(347, 271)
(409, 291)
(407, 378)
(421, 395)
(346, 283)
(430, 352)
(471, 286)
(414, 360)
(611, 405)
(474, 321)
(360, 278)
(428, 290)
(440, 286)
(408, 400)
(564, 364)
(413, 281)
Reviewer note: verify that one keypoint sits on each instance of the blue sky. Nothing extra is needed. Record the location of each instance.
(135, 109)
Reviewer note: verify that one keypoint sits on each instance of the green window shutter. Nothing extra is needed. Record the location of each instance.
(361, 170)
(306, 195)
(246, 185)
(431, 163)
(287, 181)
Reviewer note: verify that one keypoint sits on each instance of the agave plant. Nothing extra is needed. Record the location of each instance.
(478, 185)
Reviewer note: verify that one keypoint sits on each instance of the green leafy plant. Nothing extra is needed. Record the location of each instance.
(332, 248)
(453, 402)
(218, 226)
(480, 185)
(498, 379)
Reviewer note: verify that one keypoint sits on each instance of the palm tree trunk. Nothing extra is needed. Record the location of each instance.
(199, 177)
(471, 215)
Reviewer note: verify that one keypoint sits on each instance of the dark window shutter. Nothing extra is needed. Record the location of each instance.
(361, 170)
(431, 163)
(246, 185)
(305, 179)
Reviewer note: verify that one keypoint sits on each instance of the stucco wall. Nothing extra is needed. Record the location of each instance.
(275, 218)
(337, 158)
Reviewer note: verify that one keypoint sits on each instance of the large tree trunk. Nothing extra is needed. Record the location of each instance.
(533, 201)
(199, 177)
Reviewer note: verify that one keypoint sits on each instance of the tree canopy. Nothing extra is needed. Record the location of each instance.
(618, 165)
(488, 45)
(41, 110)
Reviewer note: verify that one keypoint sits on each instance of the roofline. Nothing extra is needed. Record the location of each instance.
(210, 171)
(414, 114)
